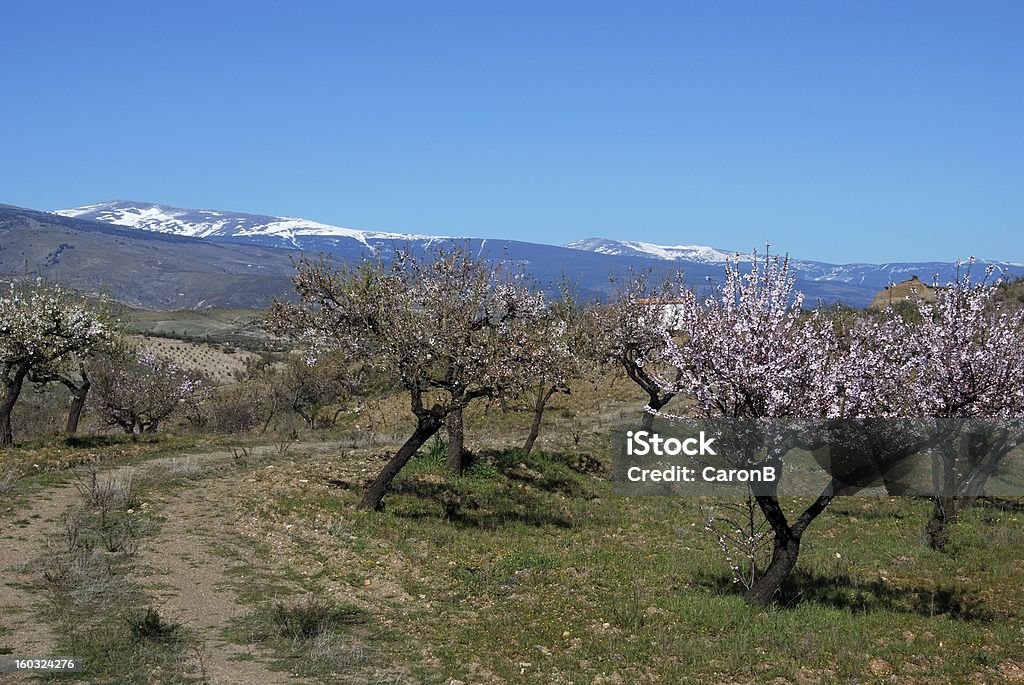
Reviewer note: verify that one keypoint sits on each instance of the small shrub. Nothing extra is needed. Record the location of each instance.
(107, 494)
(328, 652)
(629, 612)
(236, 410)
(432, 456)
(743, 536)
(484, 470)
(184, 468)
(8, 480)
(150, 626)
(85, 576)
(309, 617)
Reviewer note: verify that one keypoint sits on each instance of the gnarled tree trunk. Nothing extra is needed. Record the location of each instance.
(944, 513)
(786, 546)
(657, 397)
(785, 551)
(373, 498)
(13, 382)
(79, 394)
(655, 403)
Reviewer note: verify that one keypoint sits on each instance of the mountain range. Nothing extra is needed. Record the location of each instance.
(139, 268)
(152, 255)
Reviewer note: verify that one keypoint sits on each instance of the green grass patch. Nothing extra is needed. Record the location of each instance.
(541, 576)
(310, 636)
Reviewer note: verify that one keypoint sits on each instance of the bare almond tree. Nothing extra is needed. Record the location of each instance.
(565, 341)
(308, 386)
(450, 328)
(630, 332)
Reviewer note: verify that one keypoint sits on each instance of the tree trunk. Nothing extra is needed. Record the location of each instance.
(12, 389)
(944, 509)
(538, 414)
(650, 386)
(308, 419)
(270, 417)
(456, 441)
(655, 402)
(78, 397)
(373, 498)
(944, 513)
(784, 555)
(335, 415)
(786, 546)
(948, 509)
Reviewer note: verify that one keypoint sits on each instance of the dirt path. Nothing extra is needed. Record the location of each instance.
(177, 567)
(187, 579)
(23, 536)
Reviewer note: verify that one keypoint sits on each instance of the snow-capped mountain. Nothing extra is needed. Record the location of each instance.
(874, 275)
(272, 231)
(588, 263)
(635, 248)
(546, 264)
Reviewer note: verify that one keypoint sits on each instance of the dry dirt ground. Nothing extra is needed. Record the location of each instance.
(177, 568)
(186, 578)
(23, 535)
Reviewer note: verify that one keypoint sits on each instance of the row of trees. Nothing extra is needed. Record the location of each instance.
(450, 330)
(453, 330)
(751, 352)
(50, 336)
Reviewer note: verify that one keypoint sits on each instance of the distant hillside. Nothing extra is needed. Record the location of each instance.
(159, 257)
(236, 327)
(220, 364)
(139, 268)
(911, 290)
(1012, 292)
(588, 264)
(812, 277)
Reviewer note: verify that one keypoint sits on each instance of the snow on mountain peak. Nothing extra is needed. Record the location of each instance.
(203, 223)
(636, 248)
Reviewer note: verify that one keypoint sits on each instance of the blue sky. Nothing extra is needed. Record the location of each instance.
(842, 131)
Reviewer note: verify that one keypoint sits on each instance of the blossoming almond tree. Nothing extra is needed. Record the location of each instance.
(852, 386)
(970, 349)
(565, 341)
(752, 353)
(749, 353)
(41, 327)
(135, 389)
(451, 329)
(867, 394)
